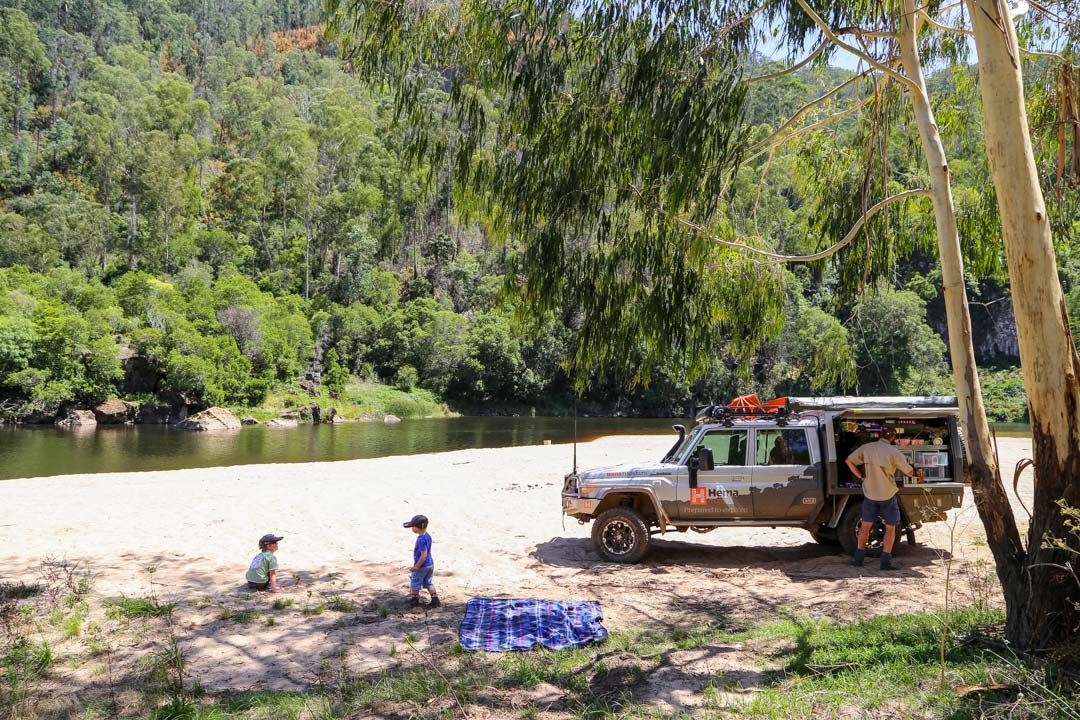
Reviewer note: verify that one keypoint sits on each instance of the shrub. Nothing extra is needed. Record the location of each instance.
(405, 378)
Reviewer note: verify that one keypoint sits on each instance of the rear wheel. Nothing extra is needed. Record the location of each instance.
(621, 535)
(847, 531)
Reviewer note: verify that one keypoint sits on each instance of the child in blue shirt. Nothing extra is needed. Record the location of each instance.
(423, 566)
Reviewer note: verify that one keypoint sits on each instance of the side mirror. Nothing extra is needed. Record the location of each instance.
(704, 458)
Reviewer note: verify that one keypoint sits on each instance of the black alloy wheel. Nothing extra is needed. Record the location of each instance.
(621, 535)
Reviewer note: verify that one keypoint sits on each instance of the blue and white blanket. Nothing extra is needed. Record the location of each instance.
(522, 624)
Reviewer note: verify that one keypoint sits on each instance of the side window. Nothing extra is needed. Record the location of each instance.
(782, 447)
(728, 446)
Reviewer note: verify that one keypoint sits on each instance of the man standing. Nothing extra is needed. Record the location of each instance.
(880, 461)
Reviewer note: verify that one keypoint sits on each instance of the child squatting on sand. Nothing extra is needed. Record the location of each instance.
(262, 573)
(423, 566)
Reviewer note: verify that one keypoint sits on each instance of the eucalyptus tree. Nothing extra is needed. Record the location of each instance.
(23, 59)
(595, 147)
(583, 141)
(1047, 351)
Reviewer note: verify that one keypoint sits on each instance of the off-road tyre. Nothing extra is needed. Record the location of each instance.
(824, 536)
(621, 535)
(847, 531)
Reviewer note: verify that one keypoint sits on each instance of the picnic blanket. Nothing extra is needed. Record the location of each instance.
(522, 624)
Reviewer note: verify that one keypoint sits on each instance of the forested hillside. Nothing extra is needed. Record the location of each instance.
(199, 204)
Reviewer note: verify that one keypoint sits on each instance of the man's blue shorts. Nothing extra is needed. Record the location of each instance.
(422, 578)
(887, 510)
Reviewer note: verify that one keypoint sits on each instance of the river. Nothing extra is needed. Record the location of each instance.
(36, 452)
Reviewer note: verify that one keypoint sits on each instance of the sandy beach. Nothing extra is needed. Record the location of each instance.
(497, 531)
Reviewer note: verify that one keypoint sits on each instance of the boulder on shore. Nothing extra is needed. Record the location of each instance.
(391, 419)
(160, 414)
(248, 420)
(115, 412)
(76, 417)
(336, 420)
(214, 418)
(282, 422)
(37, 417)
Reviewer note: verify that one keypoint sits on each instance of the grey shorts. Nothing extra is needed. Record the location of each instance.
(887, 510)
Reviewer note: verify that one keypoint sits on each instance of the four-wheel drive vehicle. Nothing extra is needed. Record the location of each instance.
(775, 465)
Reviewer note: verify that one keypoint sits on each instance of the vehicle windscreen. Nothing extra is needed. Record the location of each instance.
(676, 452)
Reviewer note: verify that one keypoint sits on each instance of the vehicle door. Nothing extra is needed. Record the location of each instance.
(723, 491)
(787, 482)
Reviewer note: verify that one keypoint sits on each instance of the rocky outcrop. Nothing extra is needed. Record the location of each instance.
(214, 418)
(336, 420)
(316, 412)
(329, 415)
(248, 420)
(115, 412)
(76, 417)
(139, 376)
(37, 417)
(389, 419)
(282, 422)
(161, 414)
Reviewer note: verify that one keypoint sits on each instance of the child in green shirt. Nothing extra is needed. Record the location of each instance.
(262, 573)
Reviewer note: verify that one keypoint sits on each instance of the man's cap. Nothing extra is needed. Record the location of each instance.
(417, 521)
(270, 538)
(888, 432)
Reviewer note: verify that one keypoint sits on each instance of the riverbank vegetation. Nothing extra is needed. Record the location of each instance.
(201, 206)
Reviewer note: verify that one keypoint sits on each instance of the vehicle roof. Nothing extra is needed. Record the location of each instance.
(881, 402)
(765, 422)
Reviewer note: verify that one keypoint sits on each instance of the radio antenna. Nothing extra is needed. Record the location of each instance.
(575, 432)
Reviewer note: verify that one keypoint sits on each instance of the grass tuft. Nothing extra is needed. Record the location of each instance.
(126, 607)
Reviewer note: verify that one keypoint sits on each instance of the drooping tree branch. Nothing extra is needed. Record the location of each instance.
(942, 26)
(794, 68)
(808, 128)
(835, 39)
(821, 255)
(806, 108)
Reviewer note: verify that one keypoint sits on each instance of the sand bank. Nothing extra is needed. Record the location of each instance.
(497, 530)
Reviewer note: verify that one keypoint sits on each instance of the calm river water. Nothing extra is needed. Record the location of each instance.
(26, 452)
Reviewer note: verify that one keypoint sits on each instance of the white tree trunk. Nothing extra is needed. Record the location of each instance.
(982, 470)
(1047, 353)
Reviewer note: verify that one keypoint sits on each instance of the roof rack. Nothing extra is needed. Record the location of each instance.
(746, 407)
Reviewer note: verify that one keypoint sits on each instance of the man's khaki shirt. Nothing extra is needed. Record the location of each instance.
(880, 461)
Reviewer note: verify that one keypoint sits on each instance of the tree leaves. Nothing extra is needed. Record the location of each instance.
(605, 120)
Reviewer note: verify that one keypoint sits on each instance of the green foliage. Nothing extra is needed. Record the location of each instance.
(225, 216)
(1005, 395)
(405, 378)
(590, 232)
(893, 344)
(336, 377)
(125, 607)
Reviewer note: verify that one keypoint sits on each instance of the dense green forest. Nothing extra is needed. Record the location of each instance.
(200, 204)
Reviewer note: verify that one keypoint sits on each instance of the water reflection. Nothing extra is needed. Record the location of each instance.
(34, 452)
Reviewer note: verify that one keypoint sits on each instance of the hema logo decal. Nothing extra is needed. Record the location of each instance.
(701, 496)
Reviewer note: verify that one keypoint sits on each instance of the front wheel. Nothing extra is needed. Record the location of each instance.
(621, 535)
